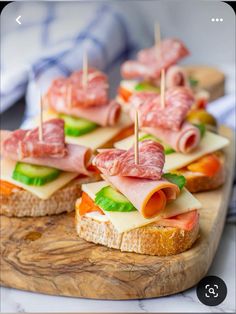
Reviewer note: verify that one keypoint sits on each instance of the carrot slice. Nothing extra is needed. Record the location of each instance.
(7, 188)
(124, 93)
(208, 165)
(87, 205)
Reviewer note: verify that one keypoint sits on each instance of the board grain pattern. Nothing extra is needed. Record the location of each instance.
(45, 255)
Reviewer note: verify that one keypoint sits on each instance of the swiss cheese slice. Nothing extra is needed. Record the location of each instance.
(44, 191)
(131, 220)
(211, 142)
(98, 137)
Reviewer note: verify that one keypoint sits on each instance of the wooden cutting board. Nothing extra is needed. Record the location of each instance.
(209, 79)
(45, 255)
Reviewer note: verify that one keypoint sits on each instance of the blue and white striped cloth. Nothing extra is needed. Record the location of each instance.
(105, 38)
(42, 48)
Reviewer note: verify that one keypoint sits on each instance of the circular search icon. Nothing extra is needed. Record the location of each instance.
(211, 290)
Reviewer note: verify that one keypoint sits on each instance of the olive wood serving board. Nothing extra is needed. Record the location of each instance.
(45, 255)
(210, 79)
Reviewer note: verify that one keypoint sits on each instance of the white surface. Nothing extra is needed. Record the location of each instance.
(223, 266)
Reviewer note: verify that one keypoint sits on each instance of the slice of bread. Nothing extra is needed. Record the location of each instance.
(151, 239)
(21, 203)
(198, 182)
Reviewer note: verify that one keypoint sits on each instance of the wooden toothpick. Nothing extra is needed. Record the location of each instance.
(163, 88)
(85, 70)
(136, 139)
(41, 120)
(157, 34)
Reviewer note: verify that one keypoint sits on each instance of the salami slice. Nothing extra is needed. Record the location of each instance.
(96, 91)
(178, 101)
(119, 162)
(135, 69)
(69, 97)
(72, 93)
(151, 61)
(26, 143)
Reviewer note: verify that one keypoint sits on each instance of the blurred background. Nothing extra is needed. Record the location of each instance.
(50, 39)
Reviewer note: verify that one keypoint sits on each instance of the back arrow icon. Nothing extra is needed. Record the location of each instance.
(18, 19)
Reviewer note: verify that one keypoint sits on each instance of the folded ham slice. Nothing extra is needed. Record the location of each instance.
(151, 61)
(178, 101)
(184, 140)
(77, 159)
(121, 162)
(176, 76)
(106, 115)
(148, 197)
(26, 143)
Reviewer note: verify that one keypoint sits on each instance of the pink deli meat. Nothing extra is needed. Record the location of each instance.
(148, 197)
(26, 143)
(68, 97)
(178, 101)
(77, 159)
(151, 61)
(176, 76)
(120, 162)
(185, 140)
(94, 94)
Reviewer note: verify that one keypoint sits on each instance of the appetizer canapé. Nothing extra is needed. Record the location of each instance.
(91, 119)
(41, 176)
(138, 208)
(144, 73)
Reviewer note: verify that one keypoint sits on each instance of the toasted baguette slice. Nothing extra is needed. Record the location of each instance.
(198, 182)
(151, 239)
(21, 203)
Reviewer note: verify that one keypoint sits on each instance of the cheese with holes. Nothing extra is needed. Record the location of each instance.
(44, 191)
(130, 220)
(98, 137)
(210, 143)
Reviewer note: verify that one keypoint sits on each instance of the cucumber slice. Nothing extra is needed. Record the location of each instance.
(77, 126)
(145, 86)
(167, 149)
(34, 174)
(111, 200)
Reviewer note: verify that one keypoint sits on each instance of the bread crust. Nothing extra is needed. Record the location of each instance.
(21, 203)
(151, 239)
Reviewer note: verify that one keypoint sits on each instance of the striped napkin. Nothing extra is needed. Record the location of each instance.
(105, 37)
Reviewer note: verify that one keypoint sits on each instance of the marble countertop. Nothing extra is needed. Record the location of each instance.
(186, 302)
